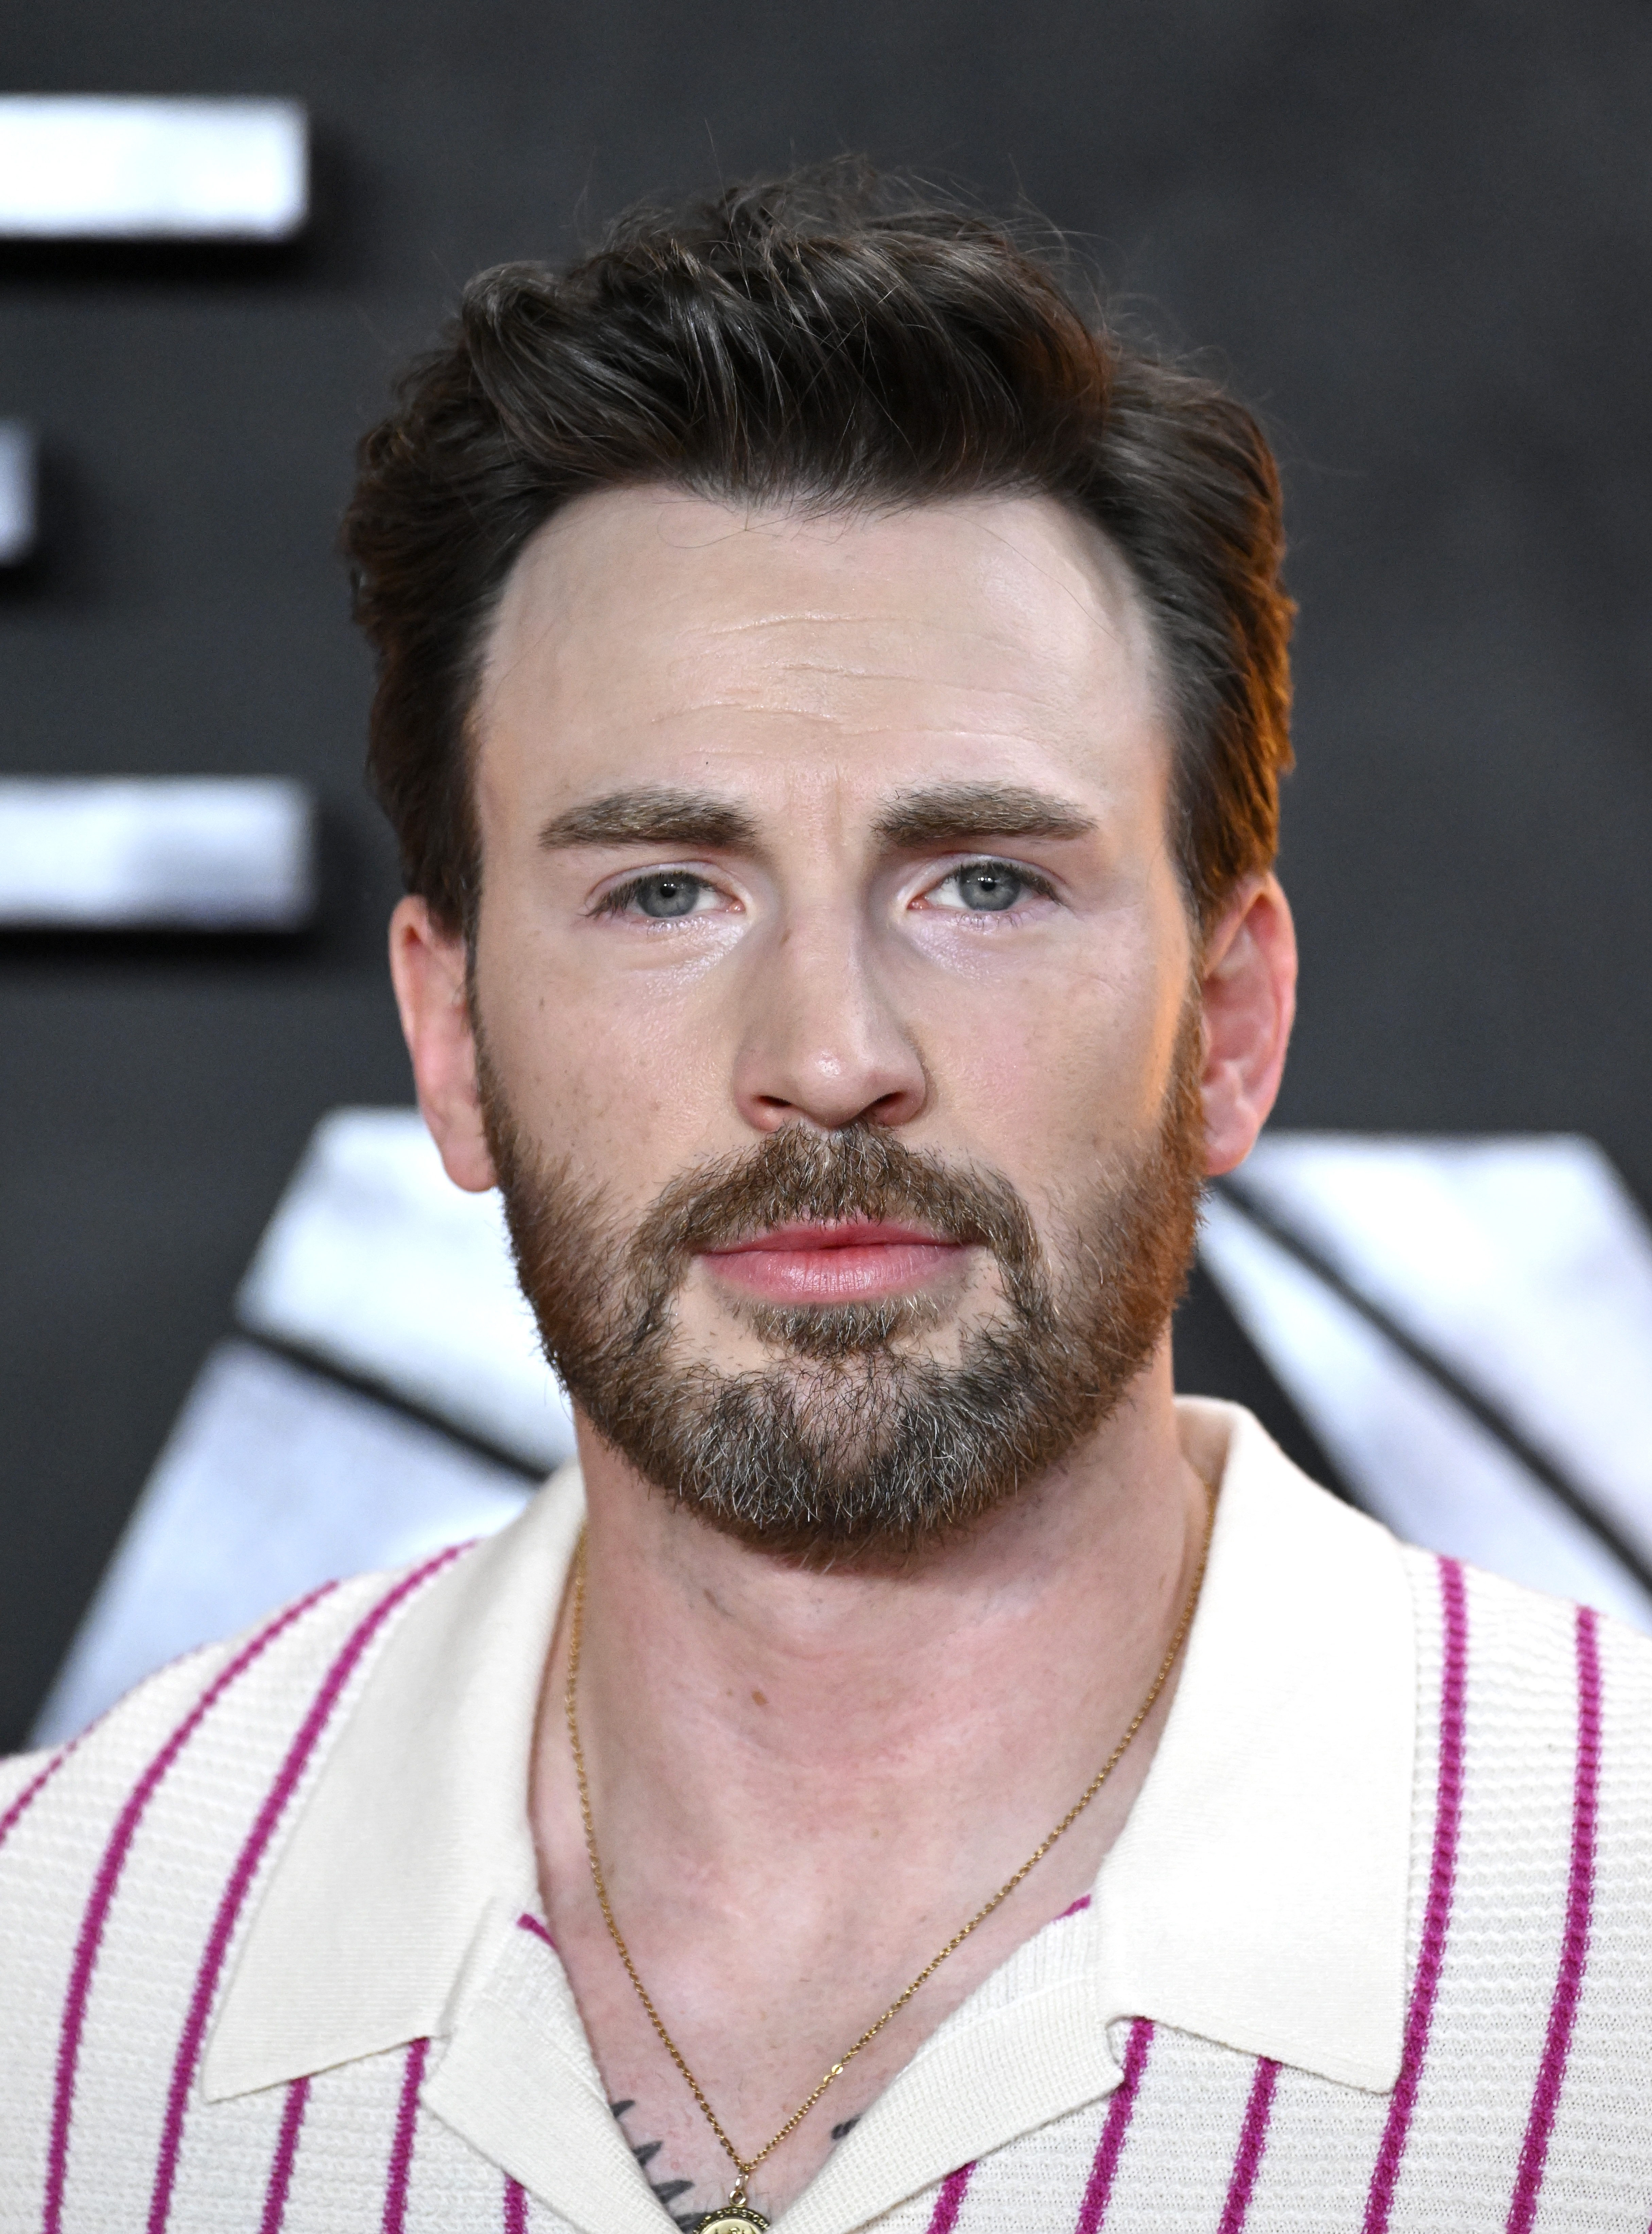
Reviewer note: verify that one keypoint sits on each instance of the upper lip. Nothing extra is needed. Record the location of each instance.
(851, 1233)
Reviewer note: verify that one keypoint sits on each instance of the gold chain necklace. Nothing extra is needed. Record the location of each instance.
(738, 2215)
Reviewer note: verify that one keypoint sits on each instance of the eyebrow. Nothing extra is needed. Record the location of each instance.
(948, 812)
(661, 814)
(653, 815)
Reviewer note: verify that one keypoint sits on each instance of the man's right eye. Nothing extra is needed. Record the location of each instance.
(660, 896)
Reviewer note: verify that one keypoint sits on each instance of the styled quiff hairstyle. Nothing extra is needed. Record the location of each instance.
(836, 341)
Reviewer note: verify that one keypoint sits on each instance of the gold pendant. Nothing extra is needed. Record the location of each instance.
(731, 2218)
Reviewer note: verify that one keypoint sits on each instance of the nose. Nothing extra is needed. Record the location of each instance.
(822, 1043)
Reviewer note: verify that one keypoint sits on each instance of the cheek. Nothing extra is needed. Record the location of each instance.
(1059, 1065)
(624, 1082)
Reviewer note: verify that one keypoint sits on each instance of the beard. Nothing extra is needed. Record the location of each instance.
(851, 1439)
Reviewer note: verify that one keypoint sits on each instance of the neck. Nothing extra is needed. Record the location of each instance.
(968, 1686)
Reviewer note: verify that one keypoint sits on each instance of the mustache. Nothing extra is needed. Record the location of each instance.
(800, 1176)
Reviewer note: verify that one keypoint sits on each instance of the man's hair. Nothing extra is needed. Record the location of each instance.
(836, 341)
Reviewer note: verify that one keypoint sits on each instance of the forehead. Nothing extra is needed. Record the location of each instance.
(651, 633)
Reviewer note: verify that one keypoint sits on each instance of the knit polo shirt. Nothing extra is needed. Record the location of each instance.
(1372, 1951)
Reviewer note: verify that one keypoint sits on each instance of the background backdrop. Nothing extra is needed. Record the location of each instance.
(1420, 241)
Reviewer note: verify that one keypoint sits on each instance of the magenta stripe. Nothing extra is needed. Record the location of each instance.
(104, 1885)
(1574, 1946)
(407, 2118)
(293, 2117)
(1442, 1879)
(949, 2201)
(1110, 2148)
(247, 1865)
(516, 2208)
(1082, 1902)
(526, 1923)
(1253, 2142)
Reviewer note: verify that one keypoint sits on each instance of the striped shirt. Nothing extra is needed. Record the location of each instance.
(1373, 1951)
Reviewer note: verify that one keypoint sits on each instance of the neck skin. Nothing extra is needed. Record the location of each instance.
(804, 1783)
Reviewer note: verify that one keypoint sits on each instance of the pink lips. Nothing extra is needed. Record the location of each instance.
(853, 1263)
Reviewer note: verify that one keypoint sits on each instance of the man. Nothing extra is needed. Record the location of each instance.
(917, 1773)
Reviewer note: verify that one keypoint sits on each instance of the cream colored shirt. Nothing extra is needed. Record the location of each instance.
(1374, 1948)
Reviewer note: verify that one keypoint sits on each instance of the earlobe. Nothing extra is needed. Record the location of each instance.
(427, 970)
(1249, 994)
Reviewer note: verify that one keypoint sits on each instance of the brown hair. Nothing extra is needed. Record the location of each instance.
(833, 339)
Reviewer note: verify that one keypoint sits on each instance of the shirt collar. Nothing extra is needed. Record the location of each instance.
(415, 1829)
(1256, 1897)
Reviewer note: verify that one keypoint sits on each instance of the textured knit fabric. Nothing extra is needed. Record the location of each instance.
(184, 2043)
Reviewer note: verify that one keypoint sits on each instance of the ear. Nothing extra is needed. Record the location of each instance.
(427, 970)
(1250, 992)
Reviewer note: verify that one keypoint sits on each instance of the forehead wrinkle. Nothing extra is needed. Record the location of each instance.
(873, 617)
(756, 694)
(877, 620)
(1043, 688)
(844, 722)
(1057, 679)
(794, 617)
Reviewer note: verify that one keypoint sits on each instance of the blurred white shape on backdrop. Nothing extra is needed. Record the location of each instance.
(156, 852)
(377, 1264)
(273, 1480)
(19, 498)
(1526, 1267)
(124, 166)
(280, 1475)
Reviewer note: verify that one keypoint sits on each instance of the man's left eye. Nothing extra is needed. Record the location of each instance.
(985, 888)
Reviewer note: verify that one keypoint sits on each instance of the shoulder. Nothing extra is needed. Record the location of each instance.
(1515, 1653)
(178, 1777)
(1535, 1753)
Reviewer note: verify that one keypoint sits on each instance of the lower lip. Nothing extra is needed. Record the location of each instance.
(847, 1272)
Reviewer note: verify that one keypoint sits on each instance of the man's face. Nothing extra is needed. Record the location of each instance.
(833, 976)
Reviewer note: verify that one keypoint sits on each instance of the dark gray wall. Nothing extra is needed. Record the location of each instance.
(1420, 238)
